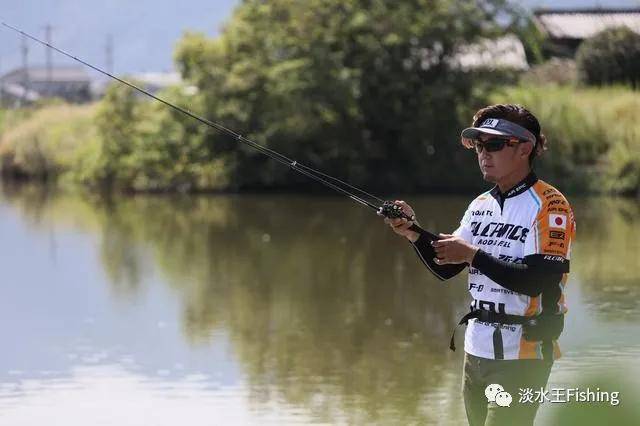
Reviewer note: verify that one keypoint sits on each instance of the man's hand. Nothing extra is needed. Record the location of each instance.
(400, 225)
(452, 249)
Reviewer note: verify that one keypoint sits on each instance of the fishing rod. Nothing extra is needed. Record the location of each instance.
(388, 209)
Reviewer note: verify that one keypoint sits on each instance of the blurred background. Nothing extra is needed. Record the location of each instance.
(156, 272)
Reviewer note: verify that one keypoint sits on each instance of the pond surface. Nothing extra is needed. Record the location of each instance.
(268, 310)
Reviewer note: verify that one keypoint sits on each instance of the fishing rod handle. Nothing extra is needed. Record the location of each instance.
(424, 234)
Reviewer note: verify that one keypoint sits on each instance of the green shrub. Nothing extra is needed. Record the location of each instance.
(44, 142)
(554, 71)
(146, 146)
(611, 56)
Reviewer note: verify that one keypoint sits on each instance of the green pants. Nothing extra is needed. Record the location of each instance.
(512, 375)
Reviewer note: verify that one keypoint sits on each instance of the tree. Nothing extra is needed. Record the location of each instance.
(611, 56)
(146, 146)
(364, 89)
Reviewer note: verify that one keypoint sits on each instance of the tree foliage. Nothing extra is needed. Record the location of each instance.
(612, 56)
(366, 90)
(146, 146)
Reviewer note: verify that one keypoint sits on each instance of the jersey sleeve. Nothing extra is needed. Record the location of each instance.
(548, 243)
(464, 229)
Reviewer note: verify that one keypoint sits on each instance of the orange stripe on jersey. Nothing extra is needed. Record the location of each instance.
(529, 349)
(534, 304)
(555, 230)
(556, 350)
(532, 350)
(562, 305)
(554, 221)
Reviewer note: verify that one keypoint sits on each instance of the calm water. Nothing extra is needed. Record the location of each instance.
(214, 310)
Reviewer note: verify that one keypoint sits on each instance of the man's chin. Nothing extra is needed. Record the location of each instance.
(487, 176)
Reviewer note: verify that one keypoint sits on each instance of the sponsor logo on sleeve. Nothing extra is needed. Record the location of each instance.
(554, 258)
(557, 221)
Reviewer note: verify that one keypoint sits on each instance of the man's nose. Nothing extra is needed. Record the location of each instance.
(484, 154)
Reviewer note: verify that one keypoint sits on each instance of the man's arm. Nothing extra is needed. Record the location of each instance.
(532, 277)
(427, 253)
(422, 242)
(546, 251)
(519, 277)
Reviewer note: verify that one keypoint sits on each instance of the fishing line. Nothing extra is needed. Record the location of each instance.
(387, 209)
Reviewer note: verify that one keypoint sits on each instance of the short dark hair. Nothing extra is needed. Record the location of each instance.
(519, 115)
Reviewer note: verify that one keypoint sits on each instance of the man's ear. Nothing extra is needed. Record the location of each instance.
(525, 149)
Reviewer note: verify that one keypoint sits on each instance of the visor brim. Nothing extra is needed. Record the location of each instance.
(474, 132)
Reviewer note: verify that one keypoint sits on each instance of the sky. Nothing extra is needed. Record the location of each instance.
(144, 32)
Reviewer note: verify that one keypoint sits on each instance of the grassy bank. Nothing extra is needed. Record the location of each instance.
(594, 143)
(593, 133)
(45, 142)
(136, 148)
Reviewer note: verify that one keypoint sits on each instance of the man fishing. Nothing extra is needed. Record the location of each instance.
(515, 240)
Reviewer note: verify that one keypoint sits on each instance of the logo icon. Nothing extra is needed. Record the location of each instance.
(503, 399)
(490, 122)
(496, 393)
(557, 235)
(491, 391)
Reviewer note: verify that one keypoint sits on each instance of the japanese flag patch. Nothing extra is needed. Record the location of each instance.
(557, 221)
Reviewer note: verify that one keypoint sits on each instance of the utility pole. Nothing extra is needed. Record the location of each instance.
(25, 69)
(49, 61)
(108, 51)
(1, 86)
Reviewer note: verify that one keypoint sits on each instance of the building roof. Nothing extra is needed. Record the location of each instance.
(150, 81)
(506, 52)
(73, 74)
(19, 92)
(583, 23)
(158, 79)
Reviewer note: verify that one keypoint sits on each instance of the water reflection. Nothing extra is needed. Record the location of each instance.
(282, 299)
(608, 256)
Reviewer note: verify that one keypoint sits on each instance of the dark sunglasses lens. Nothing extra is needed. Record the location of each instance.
(492, 145)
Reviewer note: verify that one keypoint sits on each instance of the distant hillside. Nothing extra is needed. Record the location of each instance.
(144, 31)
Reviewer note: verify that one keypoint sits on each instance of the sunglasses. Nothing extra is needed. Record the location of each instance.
(491, 145)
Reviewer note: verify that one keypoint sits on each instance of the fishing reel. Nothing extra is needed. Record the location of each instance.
(393, 211)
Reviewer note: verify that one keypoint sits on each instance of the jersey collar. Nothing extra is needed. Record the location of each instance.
(517, 189)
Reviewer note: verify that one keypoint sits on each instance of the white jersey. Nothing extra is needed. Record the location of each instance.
(532, 223)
